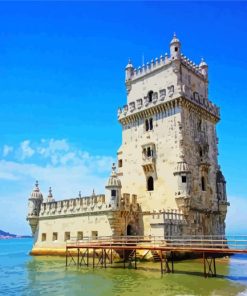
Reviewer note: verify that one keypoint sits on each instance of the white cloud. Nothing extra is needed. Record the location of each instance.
(25, 149)
(7, 150)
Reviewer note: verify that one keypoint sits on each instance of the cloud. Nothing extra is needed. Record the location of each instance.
(25, 150)
(54, 163)
(7, 150)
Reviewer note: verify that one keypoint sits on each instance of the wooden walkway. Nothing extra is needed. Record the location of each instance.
(162, 249)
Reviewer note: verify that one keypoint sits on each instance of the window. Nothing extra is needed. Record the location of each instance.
(149, 152)
(149, 124)
(146, 125)
(176, 49)
(43, 237)
(203, 184)
(67, 236)
(120, 163)
(94, 234)
(114, 192)
(150, 96)
(54, 236)
(200, 152)
(184, 179)
(79, 235)
(150, 184)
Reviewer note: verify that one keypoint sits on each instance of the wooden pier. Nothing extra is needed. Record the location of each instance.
(102, 250)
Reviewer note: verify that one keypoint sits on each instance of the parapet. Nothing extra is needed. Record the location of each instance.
(75, 205)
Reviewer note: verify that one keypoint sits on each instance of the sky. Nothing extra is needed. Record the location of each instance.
(62, 80)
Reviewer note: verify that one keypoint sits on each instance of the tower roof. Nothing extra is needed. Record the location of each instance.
(129, 65)
(50, 196)
(36, 192)
(203, 63)
(174, 39)
(113, 180)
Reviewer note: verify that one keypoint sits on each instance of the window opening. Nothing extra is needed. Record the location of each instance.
(203, 184)
(150, 96)
(54, 236)
(184, 179)
(150, 184)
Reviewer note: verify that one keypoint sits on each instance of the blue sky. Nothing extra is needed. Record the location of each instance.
(62, 79)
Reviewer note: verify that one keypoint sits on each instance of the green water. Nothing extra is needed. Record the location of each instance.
(21, 274)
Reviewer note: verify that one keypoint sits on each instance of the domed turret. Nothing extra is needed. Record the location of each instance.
(203, 68)
(129, 70)
(113, 189)
(34, 203)
(175, 47)
(50, 196)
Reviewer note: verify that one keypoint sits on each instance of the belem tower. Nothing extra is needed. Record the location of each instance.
(167, 181)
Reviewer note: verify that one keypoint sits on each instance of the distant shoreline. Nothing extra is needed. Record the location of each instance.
(13, 237)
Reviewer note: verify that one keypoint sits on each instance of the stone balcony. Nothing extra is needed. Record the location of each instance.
(148, 164)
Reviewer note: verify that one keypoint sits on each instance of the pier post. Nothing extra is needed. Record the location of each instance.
(161, 262)
(135, 259)
(78, 257)
(93, 257)
(172, 262)
(124, 257)
(87, 256)
(66, 256)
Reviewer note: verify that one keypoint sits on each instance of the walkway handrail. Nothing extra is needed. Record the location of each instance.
(214, 241)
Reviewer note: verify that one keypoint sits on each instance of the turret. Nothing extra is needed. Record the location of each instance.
(203, 68)
(50, 196)
(129, 69)
(113, 189)
(175, 48)
(34, 203)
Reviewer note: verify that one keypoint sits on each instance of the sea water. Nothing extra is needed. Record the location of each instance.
(22, 274)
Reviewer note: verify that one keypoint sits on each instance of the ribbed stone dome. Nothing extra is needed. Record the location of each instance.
(36, 192)
(113, 180)
(182, 167)
(203, 64)
(174, 39)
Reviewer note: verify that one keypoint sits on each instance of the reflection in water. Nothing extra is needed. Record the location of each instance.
(21, 274)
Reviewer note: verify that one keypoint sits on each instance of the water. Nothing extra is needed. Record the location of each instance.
(21, 274)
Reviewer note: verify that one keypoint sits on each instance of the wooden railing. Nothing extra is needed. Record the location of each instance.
(184, 242)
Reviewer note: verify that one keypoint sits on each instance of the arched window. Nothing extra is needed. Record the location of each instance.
(151, 123)
(150, 96)
(150, 184)
(148, 152)
(203, 184)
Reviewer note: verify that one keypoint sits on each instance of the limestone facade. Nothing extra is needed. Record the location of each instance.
(168, 180)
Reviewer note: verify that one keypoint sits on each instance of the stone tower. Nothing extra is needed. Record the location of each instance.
(168, 156)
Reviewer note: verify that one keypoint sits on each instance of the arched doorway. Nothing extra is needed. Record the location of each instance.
(131, 229)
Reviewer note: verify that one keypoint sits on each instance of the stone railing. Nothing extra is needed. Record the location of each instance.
(167, 217)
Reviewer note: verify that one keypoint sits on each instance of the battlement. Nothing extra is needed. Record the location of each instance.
(163, 97)
(87, 204)
(158, 63)
(74, 205)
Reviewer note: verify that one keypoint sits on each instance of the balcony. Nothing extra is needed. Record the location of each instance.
(148, 164)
